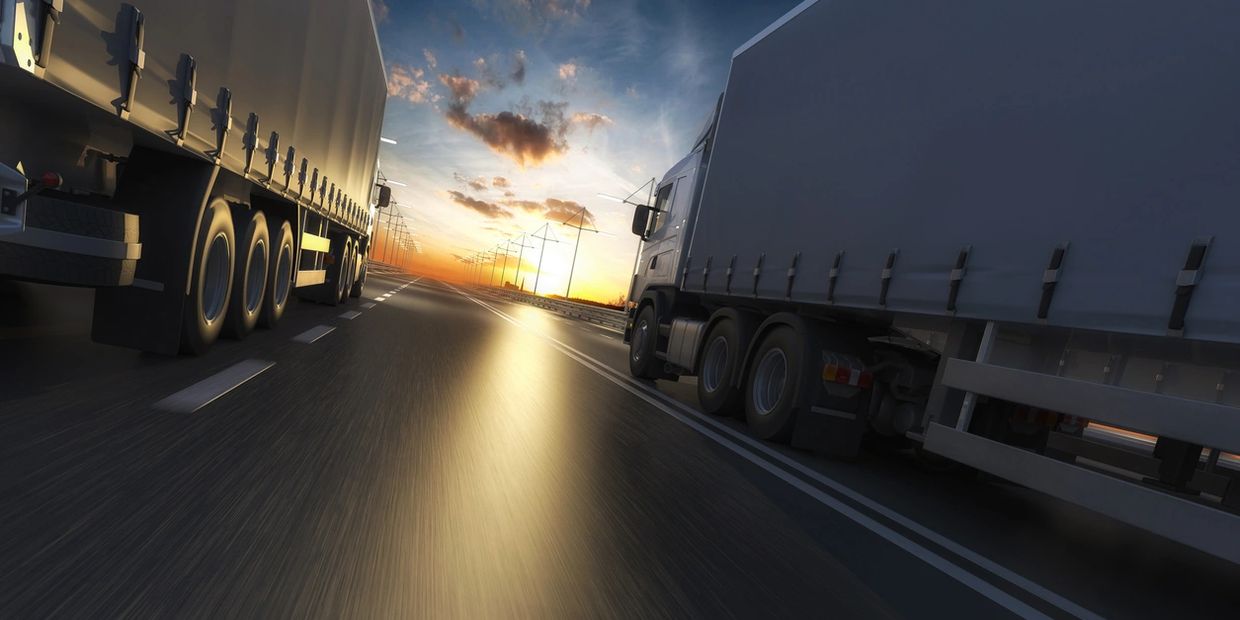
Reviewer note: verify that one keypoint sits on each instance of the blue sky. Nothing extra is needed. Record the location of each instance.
(513, 113)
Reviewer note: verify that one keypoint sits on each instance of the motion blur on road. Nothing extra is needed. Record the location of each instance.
(432, 451)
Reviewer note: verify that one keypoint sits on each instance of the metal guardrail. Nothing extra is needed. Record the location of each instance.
(605, 317)
(383, 269)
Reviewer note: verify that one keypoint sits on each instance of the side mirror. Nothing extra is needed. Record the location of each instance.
(641, 220)
(385, 196)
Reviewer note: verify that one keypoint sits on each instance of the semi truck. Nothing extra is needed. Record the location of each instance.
(197, 163)
(1004, 234)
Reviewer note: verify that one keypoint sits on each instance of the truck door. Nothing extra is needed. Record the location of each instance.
(662, 252)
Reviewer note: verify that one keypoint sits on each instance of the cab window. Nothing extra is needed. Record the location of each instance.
(661, 205)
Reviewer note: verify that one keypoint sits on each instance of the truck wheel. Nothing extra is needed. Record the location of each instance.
(344, 280)
(361, 280)
(642, 362)
(211, 279)
(716, 388)
(772, 390)
(280, 275)
(250, 276)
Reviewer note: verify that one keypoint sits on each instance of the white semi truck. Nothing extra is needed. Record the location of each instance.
(1004, 233)
(196, 162)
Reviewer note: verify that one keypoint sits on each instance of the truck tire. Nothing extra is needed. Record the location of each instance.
(642, 362)
(344, 273)
(250, 275)
(210, 279)
(361, 280)
(721, 354)
(280, 275)
(773, 388)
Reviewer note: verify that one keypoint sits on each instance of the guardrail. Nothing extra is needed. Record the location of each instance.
(383, 269)
(605, 317)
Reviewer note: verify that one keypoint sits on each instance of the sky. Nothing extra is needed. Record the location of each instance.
(511, 116)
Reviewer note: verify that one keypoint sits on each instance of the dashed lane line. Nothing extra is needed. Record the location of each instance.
(201, 394)
(350, 315)
(368, 305)
(314, 333)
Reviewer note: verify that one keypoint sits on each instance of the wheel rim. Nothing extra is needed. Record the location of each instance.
(715, 363)
(284, 273)
(344, 271)
(215, 278)
(770, 380)
(639, 340)
(256, 277)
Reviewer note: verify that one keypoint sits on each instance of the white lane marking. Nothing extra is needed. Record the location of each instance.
(368, 305)
(350, 315)
(381, 299)
(201, 394)
(313, 334)
(728, 438)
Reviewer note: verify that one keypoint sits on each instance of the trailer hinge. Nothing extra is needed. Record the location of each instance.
(885, 278)
(684, 272)
(1050, 278)
(322, 192)
(273, 157)
(757, 273)
(792, 275)
(288, 167)
(250, 141)
(330, 204)
(314, 183)
(727, 283)
(223, 123)
(301, 176)
(833, 276)
(188, 98)
(1185, 283)
(706, 272)
(51, 18)
(137, 59)
(957, 274)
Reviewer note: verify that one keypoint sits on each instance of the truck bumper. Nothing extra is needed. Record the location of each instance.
(56, 238)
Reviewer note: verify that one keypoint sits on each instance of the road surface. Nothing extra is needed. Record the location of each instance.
(429, 451)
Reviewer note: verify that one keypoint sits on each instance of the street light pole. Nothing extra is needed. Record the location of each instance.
(520, 257)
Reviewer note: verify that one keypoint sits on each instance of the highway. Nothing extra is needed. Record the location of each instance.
(433, 451)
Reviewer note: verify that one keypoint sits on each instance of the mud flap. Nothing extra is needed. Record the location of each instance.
(830, 432)
(168, 193)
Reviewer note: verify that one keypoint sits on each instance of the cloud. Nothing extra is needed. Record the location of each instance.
(526, 205)
(518, 71)
(591, 120)
(554, 209)
(536, 14)
(568, 71)
(508, 194)
(463, 89)
(632, 92)
(563, 210)
(405, 82)
(487, 209)
(431, 60)
(380, 10)
(500, 182)
(516, 135)
(478, 186)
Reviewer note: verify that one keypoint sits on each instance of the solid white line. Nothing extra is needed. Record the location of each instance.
(201, 394)
(350, 315)
(699, 422)
(368, 305)
(313, 334)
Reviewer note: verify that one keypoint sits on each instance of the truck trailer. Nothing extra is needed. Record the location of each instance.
(1003, 233)
(196, 163)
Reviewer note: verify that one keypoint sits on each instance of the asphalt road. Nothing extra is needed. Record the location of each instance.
(444, 454)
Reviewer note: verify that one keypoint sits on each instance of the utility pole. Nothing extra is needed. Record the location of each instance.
(491, 281)
(580, 225)
(520, 257)
(546, 236)
(503, 274)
